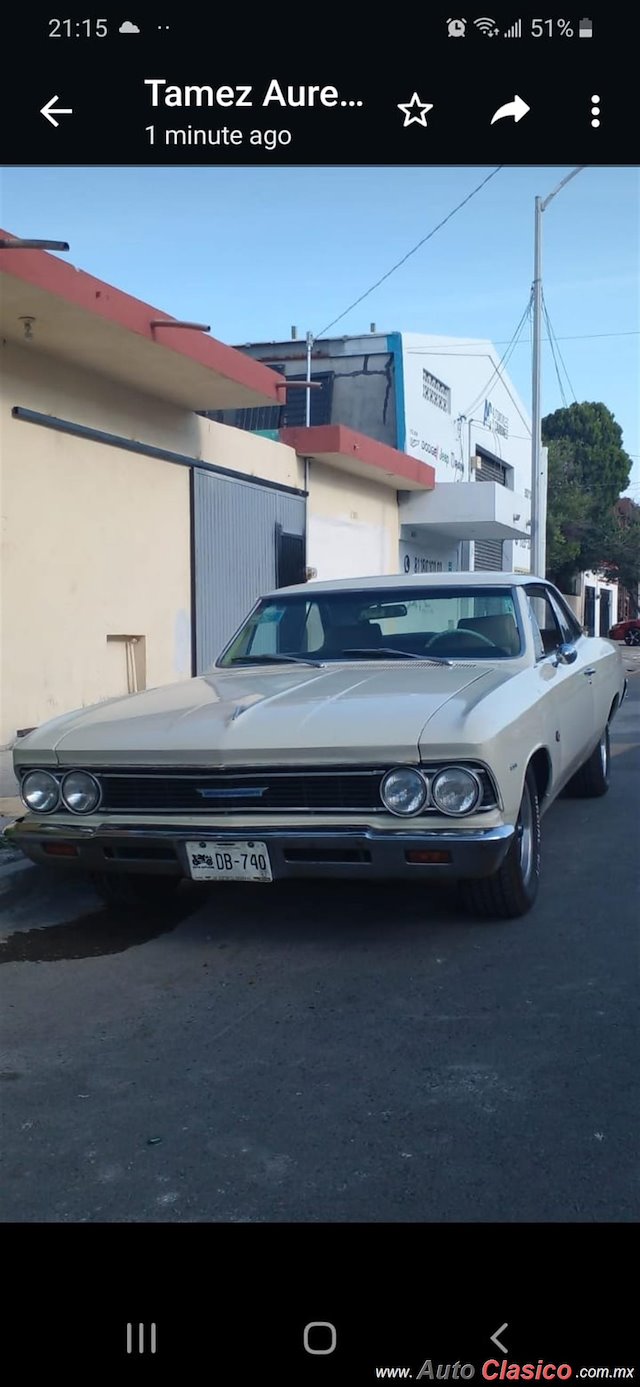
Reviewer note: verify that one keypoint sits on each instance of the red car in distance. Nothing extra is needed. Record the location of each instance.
(627, 631)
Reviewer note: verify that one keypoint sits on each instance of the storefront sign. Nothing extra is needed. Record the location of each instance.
(433, 451)
(494, 420)
(418, 564)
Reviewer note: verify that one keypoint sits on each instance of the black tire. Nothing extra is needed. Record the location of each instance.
(592, 780)
(127, 891)
(632, 637)
(512, 890)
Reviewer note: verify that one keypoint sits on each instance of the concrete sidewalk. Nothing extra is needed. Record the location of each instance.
(10, 809)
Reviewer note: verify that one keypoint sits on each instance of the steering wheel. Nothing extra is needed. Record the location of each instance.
(444, 637)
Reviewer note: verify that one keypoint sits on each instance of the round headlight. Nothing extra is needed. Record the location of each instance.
(80, 792)
(455, 791)
(403, 791)
(40, 791)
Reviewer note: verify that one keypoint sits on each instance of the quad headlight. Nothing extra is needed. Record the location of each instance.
(40, 791)
(455, 791)
(80, 792)
(404, 791)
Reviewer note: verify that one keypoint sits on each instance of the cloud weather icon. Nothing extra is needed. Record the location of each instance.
(128, 28)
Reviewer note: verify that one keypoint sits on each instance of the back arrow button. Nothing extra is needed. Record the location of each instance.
(50, 113)
(495, 1340)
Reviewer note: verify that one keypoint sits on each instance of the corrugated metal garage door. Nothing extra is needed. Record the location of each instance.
(235, 545)
(488, 555)
(488, 552)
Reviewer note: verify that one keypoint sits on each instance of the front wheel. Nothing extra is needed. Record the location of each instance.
(632, 637)
(592, 780)
(128, 891)
(512, 890)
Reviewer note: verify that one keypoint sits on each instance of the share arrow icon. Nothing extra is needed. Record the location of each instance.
(516, 108)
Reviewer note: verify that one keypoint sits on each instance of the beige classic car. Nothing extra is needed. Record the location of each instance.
(373, 728)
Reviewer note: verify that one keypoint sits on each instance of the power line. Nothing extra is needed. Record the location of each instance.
(411, 252)
(497, 371)
(588, 336)
(501, 342)
(554, 340)
(553, 353)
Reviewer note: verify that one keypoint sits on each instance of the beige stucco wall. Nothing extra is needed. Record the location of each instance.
(353, 525)
(52, 386)
(95, 540)
(80, 563)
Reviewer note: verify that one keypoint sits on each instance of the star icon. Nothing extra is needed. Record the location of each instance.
(415, 111)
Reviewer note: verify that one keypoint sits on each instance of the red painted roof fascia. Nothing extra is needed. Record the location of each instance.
(339, 440)
(47, 272)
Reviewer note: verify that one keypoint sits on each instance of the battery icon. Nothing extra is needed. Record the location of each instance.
(585, 29)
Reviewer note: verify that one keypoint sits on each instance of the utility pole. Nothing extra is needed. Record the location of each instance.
(538, 453)
(308, 390)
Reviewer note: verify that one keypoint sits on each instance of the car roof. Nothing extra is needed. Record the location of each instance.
(388, 582)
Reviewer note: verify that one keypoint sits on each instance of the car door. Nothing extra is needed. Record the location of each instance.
(598, 667)
(565, 680)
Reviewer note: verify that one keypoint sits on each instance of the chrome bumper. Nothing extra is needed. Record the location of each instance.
(357, 852)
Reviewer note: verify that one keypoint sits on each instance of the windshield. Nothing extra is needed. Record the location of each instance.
(445, 623)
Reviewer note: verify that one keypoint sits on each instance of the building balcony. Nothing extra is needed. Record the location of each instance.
(466, 511)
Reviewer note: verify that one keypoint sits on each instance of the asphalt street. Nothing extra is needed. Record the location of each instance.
(309, 1052)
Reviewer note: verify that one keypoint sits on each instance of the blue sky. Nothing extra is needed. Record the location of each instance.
(252, 251)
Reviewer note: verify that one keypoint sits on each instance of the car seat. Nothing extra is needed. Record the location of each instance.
(361, 635)
(500, 630)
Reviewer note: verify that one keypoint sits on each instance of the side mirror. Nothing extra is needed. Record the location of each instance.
(566, 654)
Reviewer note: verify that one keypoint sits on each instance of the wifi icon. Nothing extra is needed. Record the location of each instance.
(488, 27)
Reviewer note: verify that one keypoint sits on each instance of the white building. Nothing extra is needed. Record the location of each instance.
(446, 402)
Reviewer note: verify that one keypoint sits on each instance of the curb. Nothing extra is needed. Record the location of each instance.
(16, 866)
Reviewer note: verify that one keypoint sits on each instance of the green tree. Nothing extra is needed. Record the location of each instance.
(567, 515)
(622, 548)
(588, 468)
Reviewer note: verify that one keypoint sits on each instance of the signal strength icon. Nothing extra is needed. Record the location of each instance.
(488, 27)
(515, 32)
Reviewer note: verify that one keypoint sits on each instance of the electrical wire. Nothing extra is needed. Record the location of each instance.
(567, 376)
(555, 359)
(554, 342)
(497, 371)
(501, 342)
(411, 252)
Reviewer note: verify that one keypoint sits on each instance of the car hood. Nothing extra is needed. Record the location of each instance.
(348, 713)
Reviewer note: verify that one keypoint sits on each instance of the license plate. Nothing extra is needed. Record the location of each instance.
(240, 861)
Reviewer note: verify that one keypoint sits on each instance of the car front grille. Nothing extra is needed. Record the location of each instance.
(265, 792)
(158, 790)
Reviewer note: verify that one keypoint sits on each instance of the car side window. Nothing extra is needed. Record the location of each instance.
(314, 629)
(569, 623)
(547, 632)
(569, 633)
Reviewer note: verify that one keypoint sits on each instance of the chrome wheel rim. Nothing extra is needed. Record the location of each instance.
(525, 835)
(604, 754)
